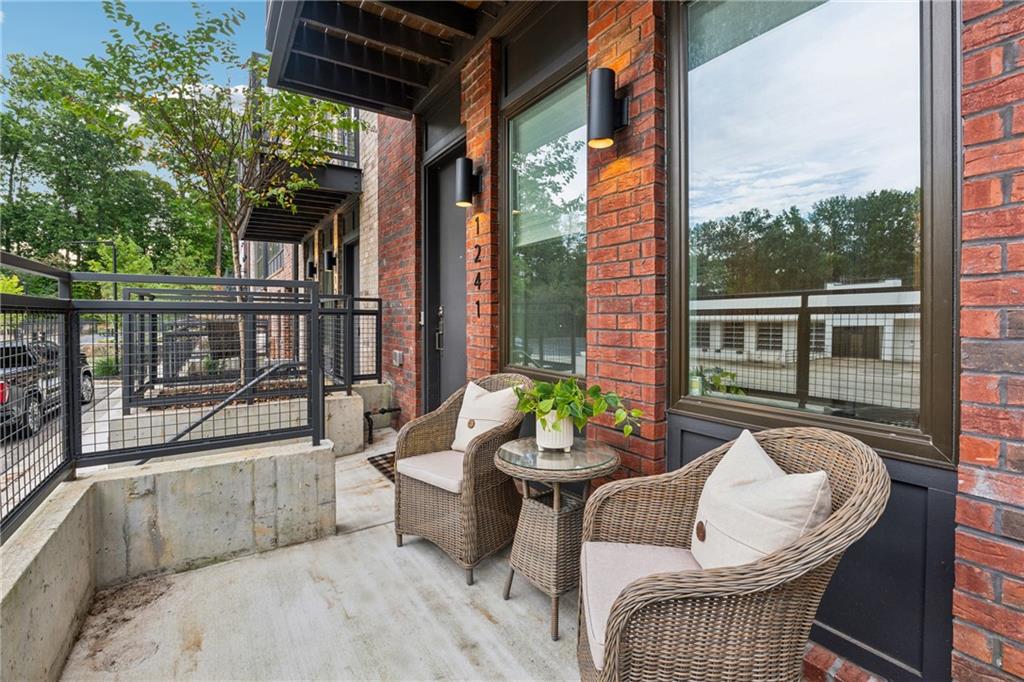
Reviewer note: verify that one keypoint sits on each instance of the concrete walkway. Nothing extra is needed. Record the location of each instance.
(351, 607)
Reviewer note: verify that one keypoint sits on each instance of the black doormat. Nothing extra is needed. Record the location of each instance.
(385, 464)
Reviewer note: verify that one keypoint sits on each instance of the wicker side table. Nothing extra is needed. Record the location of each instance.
(546, 549)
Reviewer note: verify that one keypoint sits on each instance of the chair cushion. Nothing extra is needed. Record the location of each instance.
(481, 411)
(439, 469)
(608, 567)
(750, 507)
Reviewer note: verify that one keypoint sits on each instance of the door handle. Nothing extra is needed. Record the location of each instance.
(439, 334)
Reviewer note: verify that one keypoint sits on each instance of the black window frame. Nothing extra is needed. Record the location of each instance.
(934, 441)
(563, 70)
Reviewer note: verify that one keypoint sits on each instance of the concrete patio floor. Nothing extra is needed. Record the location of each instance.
(348, 607)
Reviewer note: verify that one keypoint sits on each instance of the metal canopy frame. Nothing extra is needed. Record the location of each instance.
(380, 55)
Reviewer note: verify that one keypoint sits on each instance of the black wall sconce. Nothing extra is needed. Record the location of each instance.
(330, 260)
(467, 182)
(310, 270)
(606, 113)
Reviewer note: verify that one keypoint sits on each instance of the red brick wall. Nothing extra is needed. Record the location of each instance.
(627, 288)
(399, 249)
(988, 603)
(480, 82)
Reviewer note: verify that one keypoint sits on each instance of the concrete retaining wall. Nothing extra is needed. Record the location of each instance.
(343, 422)
(47, 585)
(177, 515)
(162, 517)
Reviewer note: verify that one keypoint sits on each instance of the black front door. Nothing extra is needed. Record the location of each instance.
(350, 273)
(445, 309)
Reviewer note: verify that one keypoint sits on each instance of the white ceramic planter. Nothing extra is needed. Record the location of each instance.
(550, 439)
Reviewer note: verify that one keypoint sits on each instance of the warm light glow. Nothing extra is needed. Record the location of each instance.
(601, 143)
(464, 204)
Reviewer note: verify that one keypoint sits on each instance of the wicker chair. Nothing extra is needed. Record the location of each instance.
(481, 519)
(747, 622)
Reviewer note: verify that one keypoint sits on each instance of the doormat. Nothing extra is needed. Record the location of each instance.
(385, 464)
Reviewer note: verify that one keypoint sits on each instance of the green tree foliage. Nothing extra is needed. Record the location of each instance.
(841, 239)
(549, 259)
(72, 173)
(234, 147)
(10, 284)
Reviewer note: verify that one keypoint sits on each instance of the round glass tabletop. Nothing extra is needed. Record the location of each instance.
(585, 454)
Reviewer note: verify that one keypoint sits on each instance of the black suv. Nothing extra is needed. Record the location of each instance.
(30, 383)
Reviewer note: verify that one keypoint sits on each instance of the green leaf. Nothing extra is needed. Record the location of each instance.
(627, 430)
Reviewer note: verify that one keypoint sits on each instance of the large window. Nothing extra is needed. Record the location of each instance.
(803, 204)
(548, 235)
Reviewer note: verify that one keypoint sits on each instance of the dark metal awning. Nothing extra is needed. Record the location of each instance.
(371, 54)
(336, 185)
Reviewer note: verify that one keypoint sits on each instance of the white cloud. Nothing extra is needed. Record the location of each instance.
(825, 104)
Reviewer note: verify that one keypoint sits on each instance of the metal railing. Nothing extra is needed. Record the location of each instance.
(847, 351)
(176, 365)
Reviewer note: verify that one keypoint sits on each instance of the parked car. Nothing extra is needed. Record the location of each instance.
(30, 383)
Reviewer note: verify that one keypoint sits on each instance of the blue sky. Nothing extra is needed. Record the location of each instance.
(75, 30)
(825, 104)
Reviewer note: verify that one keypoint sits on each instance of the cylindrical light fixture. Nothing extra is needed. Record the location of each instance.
(606, 113)
(330, 260)
(467, 183)
(310, 270)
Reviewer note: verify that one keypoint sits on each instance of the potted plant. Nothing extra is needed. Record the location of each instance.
(564, 404)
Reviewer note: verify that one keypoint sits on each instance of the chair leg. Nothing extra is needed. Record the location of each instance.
(398, 539)
(469, 576)
(508, 583)
(554, 618)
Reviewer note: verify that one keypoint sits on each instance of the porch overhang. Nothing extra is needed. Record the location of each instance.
(335, 186)
(377, 55)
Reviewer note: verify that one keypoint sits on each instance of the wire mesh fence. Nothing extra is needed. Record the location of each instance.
(172, 365)
(851, 353)
(33, 400)
(342, 318)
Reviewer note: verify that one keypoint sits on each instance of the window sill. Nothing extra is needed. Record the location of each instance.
(893, 442)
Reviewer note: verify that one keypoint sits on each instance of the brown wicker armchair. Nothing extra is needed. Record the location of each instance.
(481, 518)
(747, 622)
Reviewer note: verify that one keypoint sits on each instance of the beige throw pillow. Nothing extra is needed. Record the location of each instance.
(750, 507)
(482, 411)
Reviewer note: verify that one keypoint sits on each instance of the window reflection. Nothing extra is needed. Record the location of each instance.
(548, 203)
(804, 205)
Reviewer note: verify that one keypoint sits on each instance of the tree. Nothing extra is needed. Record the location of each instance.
(871, 237)
(236, 148)
(72, 172)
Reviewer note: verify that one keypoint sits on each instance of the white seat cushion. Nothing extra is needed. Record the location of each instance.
(608, 567)
(439, 469)
(481, 411)
(750, 507)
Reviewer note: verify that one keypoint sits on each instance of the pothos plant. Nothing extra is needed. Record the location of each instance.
(566, 398)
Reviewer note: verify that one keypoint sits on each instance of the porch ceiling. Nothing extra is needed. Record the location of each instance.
(377, 55)
(336, 185)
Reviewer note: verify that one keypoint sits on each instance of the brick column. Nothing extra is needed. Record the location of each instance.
(627, 288)
(988, 602)
(480, 116)
(399, 249)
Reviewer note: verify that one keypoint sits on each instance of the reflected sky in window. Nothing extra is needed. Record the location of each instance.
(823, 105)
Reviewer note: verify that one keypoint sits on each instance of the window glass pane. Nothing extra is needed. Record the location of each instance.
(548, 202)
(804, 184)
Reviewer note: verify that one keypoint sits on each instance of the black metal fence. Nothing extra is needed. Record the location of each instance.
(848, 351)
(176, 365)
